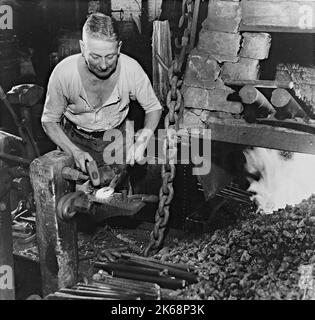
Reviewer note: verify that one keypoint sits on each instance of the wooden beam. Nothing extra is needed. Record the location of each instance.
(278, 16)
(258, 135)
(57, 240)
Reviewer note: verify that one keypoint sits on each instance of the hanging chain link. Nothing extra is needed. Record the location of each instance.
(174, 101)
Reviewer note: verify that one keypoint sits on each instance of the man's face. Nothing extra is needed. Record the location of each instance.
(101, 56)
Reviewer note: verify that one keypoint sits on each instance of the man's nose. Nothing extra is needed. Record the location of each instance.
(103, 64)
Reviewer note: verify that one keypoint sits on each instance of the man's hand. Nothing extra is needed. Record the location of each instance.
(80, 158)
(136, 152)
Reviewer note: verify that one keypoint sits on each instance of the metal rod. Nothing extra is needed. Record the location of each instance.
(261, 83)
(96, 294)
(123, 283)
(15, 158)
(249, 193)
(119, 289)
(161, 281)
(182, 266)
(233, 198)
(65, 296)
(184, 275)
(232, 192)
(123, 267)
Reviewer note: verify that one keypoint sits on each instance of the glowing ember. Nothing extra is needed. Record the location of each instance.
(282, 181)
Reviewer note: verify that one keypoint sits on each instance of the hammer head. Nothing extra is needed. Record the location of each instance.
(91, 168)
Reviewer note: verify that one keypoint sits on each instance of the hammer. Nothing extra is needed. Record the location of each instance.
(91, 168)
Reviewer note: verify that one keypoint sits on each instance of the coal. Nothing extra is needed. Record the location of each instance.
(257, 258)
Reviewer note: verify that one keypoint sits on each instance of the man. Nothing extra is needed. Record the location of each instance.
(88, 97)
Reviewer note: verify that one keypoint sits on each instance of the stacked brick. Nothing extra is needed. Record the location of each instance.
(222, 54)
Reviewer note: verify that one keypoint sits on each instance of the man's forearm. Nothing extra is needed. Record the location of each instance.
(151, 122)
(57, 135)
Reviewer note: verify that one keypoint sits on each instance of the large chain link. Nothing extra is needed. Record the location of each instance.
(173, 102)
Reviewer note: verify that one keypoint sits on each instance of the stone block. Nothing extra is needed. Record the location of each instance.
(255, 45)
(221, 46)
(201, 71)
(223, 16)
(245, 69)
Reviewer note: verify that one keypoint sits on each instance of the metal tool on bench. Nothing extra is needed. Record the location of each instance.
(99, 207)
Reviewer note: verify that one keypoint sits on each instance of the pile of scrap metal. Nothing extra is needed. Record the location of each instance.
(131, 277)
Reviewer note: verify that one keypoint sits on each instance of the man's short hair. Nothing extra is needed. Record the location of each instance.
(100, 26)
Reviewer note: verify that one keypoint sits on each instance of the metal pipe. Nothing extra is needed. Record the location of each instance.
(7, 290)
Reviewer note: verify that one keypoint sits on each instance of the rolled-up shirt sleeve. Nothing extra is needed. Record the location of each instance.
(144, 92)
(56, 102)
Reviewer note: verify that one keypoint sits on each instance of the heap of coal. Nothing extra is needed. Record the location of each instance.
(260, 257)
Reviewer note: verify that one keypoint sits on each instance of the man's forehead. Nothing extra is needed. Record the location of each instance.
(101, 45)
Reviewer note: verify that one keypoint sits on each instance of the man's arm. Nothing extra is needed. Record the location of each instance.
(54, 107)
(145, 95)
(57, 135)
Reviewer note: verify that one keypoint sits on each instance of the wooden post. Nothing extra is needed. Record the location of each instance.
(57, 240)
(194, 24)
(161, 44)
(7, 291)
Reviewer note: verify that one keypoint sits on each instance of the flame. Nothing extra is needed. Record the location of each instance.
(282, 181)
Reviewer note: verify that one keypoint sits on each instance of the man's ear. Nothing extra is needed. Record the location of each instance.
(82, 47)
(119, 46)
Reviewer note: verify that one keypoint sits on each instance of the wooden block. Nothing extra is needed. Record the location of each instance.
(245, 69)
(255, 45)
(223, 16)
(214, 99)
(201, 70)
(278, 16)
(221, 46)
(57, 240)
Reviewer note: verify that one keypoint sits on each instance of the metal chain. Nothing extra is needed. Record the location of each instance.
(173, 102)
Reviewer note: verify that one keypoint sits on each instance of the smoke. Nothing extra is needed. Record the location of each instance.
(281, 181)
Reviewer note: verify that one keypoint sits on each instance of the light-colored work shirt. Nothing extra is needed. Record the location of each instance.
(66, 96)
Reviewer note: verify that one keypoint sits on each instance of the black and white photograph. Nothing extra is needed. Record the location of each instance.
(157, 150)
